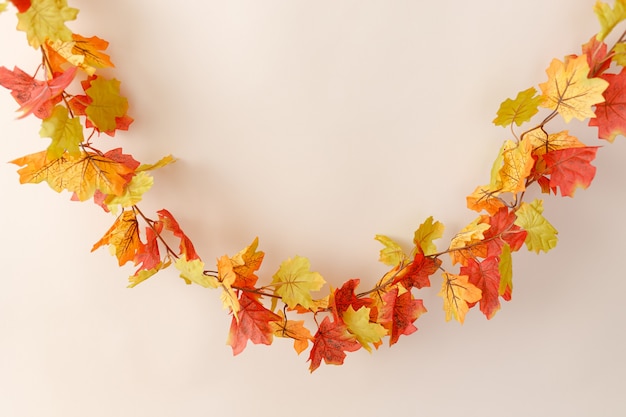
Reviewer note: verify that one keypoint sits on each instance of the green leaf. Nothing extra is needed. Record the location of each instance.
(66, 133)
(520, 110)
(541, 234)
(609, 18)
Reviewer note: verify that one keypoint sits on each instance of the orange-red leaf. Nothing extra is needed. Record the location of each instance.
(345, 297)
(123, 236)
(253, 324)
(571, 168)
(418, 272)
(485, 276)
(330, 343)
(170, 223)
(611, 115)
(399, 313)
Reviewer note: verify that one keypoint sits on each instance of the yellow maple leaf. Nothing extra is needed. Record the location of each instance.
(143, 274)
(193, 272)
(609, 18)
(82, 174)
(519, 110)
(543, 142)
(425, 234)
(460, 245)
(122, 238)
(45, 20)
(133, 192)
(166, 160)
(569, 91)
(517, 162)
(392, 254)
(456, 292)
(294, 281)
(226, 277)
(106, 103)
(66, 133)
(541, 234)
(366, 332)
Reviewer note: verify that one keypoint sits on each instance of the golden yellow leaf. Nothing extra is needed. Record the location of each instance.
(294, 281)
(569, 91)
(517, 164)
(358, 323)
(123, 237)
(456, 292)
(226, 277)
(66, 133)
(193, 272)
(425, 234)
(392, 254)
(460, 246)
(293, 329)
(133, 192)
(106, 104)
(45, 20)
(609, 17)
(541, 234)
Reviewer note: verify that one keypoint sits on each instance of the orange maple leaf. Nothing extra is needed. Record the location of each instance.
(123, 236)
(253, 324)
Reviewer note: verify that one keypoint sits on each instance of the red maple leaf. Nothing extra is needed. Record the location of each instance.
(503, 230)
(418, 271)
(486, 276)
(330, 343)
(35, 96)
(170, 223)
(611, 115)
(148, 255)
(345, 297)
(399, 313)
(597, 58)
(22, 5)
(253, 324)
(571, 168)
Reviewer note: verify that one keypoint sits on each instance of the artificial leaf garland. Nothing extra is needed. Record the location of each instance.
(588, 86)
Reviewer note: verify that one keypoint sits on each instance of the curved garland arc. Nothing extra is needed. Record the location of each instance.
(588, 86)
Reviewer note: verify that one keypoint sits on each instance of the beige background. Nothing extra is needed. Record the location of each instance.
(314, 125)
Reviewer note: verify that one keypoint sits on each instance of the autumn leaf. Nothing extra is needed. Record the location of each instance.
(505, 267)
(34, 96)
(166, 160)
(123, 237)
(609, 17)
(45, 20)
(345, 297)
(392, 254)
(246, 263)
(457, 292)
(485, 276)
(149, 255)
(292, 329)
(133, 192)
(517, 165)
(294, 281)
(418, 272)
(106, 104)
(254, 324)
(425, 234)
(143, 274)
(502, 231)
(569, 91)
(541, 234)
(358, 323)
(570, 168)
(399, 313)
(543, 143)
(66, 133)
(192, 271)
(82, 174)
(597, 55)
(170, 223)
(84, 53)
(330, 343)
(485, 198)
(91, 48)
(226, 277)
(520, 110)
(611, 115)
(471, 235)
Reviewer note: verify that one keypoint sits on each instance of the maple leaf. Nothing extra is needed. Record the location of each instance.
(597, 57)
(611, 115)
(133, 192)
(226, 277)
(149, 256)
(245, 263)
(170, 223)
(91, 48)
(330, 343)
(292, 329)
(471, 235)
(520, 110)
(485, 276)
(392, 253)
(505, 267)
(543, 143)
(84, 53)
(571, 168)
(425, 234)
(358, 323)
(107, 105)
(34, 96)
(143, 274)
(609, 17)
(192, 271)
(66, 133)
(345, 297)
(82, 174)
(166, 160)
(485, 198)
(541, 234)
(399, 313)
(45, 20)
(294, 282)
(418, 272)
(569, 91)
(254, 324)
(502, 230)
(123, 237)
(457, 292)
(517, 165)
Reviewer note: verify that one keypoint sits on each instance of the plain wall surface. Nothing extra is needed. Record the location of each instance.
(314, 125)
